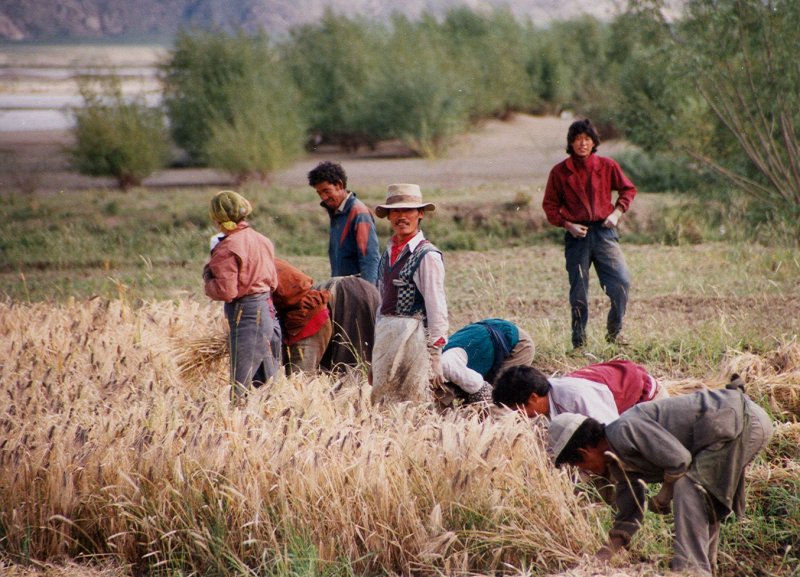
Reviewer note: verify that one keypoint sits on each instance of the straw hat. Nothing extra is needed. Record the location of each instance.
(403, 196)
(562, 427)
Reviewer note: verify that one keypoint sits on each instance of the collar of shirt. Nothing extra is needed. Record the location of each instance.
(412, 243)
(340, 208)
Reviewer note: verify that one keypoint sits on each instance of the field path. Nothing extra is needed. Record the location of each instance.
(517, 152)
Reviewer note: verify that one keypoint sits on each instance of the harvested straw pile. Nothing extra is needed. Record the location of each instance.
(774, 376)
(201, 356)
(785, 443)
(591, 568)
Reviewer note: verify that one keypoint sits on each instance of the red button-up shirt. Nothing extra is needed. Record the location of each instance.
(580, 191)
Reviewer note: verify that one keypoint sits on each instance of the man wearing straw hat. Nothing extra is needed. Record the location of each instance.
(412, 320)
(241, 273)
(697, 446)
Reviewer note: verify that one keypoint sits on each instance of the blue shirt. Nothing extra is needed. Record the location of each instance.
(353, 246)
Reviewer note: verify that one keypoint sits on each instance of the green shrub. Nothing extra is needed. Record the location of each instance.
(333, 63)
(661, 172)
(264, 131)
(231, 103)
(116, 137)
(414, 95)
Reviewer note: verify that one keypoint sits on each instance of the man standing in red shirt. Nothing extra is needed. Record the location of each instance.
(578, 198)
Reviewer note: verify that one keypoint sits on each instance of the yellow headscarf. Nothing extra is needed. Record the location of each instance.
(228, 208)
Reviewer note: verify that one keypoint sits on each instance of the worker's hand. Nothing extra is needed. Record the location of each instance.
(576, 230)
(437, 376)
(207, 274)
(607, 551)
(659, 506)
(661, 503)
(613, 218)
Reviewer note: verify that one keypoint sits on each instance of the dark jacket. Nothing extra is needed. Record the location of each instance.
(703, 435)
(353, 247)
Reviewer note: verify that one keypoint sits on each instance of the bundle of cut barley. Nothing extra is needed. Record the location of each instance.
(765, 479)
(201, 356)
(782, 392)
(785, 443)
(685, 386)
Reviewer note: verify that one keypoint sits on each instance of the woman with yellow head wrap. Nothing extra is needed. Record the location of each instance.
(241, 273)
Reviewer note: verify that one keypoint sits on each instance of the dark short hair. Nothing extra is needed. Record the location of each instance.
(579, 127)
(588, 434)
(327, 171)
(515, 385)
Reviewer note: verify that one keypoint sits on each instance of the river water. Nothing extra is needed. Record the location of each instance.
(38, 83)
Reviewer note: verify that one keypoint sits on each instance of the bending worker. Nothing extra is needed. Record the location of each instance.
(696, 445)
(476, 353)
(602, 390)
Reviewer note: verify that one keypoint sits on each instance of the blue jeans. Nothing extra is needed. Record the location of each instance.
(254, 340)
(600, 247)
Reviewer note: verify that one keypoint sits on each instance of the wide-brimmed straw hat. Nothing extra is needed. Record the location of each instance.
(562, 427)
(403, 196)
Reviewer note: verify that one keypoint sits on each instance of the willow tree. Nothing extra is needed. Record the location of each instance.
(747, 71)
(732, 85)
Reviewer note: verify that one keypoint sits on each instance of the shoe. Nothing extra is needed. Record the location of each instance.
(618, 339)
(482, 395)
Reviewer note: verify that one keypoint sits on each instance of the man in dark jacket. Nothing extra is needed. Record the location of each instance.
(578, 198)
(353, 247)
(697, 446)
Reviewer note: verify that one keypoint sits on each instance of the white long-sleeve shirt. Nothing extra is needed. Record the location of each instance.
(429, 278)
(455, 370)
(575, 395)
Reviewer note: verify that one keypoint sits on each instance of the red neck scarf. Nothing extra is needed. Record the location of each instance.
(397, 248)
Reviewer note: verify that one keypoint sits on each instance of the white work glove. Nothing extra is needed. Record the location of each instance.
(437, 376)
(576, 230)
(214, 240)
(613, 218)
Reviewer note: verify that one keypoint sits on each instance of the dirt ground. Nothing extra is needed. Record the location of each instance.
(517, 152)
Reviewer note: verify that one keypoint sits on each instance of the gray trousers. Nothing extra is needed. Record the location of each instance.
(306, 354)
(698, 515)
(254, 340)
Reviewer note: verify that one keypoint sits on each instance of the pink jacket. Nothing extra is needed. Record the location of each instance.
(242, 264)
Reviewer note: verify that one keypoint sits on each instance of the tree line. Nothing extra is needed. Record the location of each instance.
(716, 90)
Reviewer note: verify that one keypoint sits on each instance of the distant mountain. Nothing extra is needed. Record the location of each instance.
(31, 20)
